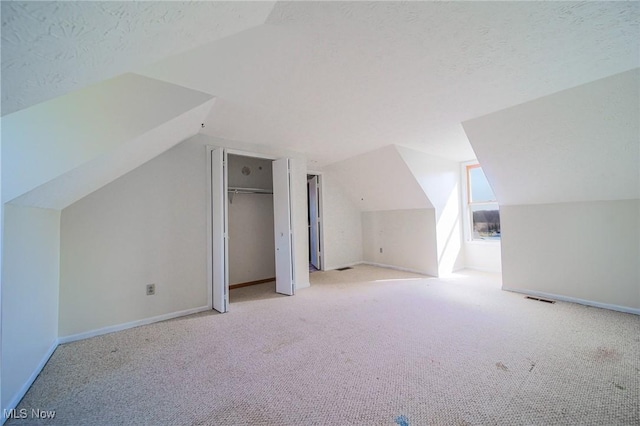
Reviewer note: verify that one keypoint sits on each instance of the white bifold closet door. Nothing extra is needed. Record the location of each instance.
(220, 235)
(282, 226)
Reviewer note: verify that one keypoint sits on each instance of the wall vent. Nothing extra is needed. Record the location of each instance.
(540, 299)
(344, 269)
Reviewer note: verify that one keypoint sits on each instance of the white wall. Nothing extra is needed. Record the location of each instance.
(30, 275)
(342, 225)
(260, 172)
(251, 238)
(587, 250)
(406, 237)
(483, 256)
(149, 226)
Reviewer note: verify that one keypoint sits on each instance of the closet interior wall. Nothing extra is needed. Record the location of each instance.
(251, 235)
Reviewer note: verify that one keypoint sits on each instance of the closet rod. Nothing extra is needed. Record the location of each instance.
(238, 190)
(234, 190)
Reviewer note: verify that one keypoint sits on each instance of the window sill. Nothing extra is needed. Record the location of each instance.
(484, 242)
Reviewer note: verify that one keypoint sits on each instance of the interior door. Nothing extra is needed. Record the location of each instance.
(314, 222)
(282, 226)
(220, 238)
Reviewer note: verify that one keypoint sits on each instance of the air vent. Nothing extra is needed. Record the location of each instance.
(539, 299)
(344, 269)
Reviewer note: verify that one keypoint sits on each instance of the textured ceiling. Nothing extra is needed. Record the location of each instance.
(329, 79)
(52, 48)
(338, 79)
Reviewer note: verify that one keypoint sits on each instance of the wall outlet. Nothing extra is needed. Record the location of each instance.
(151, 289)
(380, 249)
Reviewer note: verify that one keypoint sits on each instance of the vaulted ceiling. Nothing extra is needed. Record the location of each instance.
(55, 47)
(330, 79)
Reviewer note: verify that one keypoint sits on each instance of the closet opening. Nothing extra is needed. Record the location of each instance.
(251, 228)
(251, 236)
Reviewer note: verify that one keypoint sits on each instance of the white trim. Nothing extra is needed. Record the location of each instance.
(397, 268)
(23, 390)
(473, 268)
(484, 242)
(128, 325)
(467, 221)
(569, 299)
(321, 215)
(209, 149)
(466, 213)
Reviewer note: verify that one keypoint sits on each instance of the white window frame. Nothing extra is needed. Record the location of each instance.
(466, 194)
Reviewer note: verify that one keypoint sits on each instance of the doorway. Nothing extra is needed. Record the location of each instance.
(261, 224)
(251, 235)
(314, 218)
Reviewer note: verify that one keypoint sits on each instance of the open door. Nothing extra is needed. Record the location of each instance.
(220, 237)
(282, 227)
(314, 222)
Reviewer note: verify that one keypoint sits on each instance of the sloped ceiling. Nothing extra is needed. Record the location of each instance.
(336, 79)
(52, 48)
(61, 150)
(328, 79)
(380, 180)
(581, 144)
(438, 178)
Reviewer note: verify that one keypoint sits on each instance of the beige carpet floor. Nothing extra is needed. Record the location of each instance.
(366, 346)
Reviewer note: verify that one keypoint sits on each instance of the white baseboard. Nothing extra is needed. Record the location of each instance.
(397, 268)
(120, 327)
(561, 298)
(25, 387)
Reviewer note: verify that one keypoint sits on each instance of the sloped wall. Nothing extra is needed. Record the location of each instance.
(565, 169)
(380, 180)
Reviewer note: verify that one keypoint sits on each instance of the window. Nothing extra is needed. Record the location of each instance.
(484, 214)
